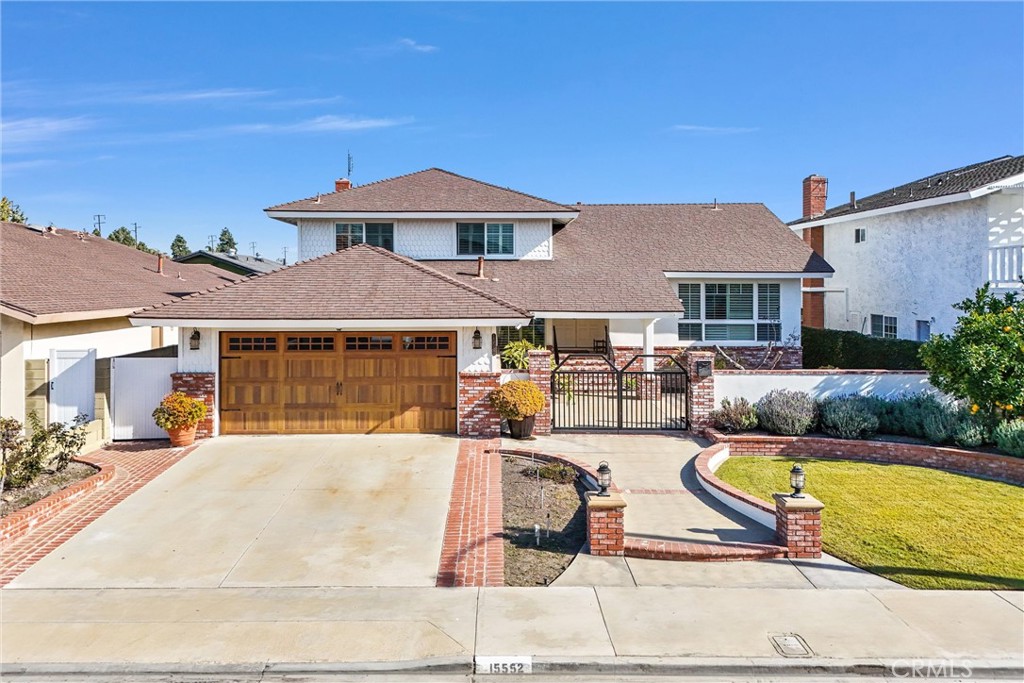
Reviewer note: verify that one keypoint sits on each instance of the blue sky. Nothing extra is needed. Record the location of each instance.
(190, 117)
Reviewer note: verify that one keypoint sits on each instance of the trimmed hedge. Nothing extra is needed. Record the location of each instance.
(855, 351)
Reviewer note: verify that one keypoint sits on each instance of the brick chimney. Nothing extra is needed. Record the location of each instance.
(342, 184)
(815, 195)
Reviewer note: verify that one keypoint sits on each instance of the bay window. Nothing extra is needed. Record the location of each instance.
(479, 239)
(730, 312)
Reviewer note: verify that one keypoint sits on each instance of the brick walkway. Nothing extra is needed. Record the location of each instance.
(135, 464)
(473, 552)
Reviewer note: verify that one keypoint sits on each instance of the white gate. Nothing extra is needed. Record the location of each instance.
(136, 387)
(72, 385)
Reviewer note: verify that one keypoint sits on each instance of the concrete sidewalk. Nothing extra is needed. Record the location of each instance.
(243, 631)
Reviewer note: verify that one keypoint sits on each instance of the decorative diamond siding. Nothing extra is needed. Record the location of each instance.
(316, 237)
(533, 239)
(425, 238)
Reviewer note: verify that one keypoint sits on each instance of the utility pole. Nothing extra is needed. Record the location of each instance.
(135, 231)
(213, 242)
(284, 261)
(97, 221)
(252, 249)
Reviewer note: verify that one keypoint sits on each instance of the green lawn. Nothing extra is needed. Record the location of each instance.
(922, 528)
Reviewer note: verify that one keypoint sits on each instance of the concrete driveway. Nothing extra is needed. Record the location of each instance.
(272, 511)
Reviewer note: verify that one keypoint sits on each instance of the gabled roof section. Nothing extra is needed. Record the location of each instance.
(53, 272)
(362, 282)
(252, 264)
(431, 191)
(955, 181)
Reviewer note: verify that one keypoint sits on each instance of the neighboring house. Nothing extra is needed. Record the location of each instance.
(240, 264)
(65, 298)
(394, 319)
(905, 255)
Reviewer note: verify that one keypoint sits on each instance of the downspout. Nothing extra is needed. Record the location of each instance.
(827, 290)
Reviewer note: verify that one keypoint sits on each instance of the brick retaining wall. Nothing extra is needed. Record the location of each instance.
(17, 523)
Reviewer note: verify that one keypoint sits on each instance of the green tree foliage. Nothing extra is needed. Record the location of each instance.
(122, 236)
(11, 212)
(981, 361)
(96, 231)
(227, 241)
(179, 247)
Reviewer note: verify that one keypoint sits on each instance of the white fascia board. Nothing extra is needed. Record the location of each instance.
(741, 276)
(909, 206)
(1004, 184)
(270, 324)
(603, 315)
(69, 317)
(394, 215)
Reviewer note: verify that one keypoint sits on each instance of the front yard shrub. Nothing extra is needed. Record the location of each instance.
(516, 354)
(981, 362)
(787, 412)
(518, 399)
(177, 409)
(970, 433)
(735, 415)
(50, 447)
(557, 471)
(1009, 437)
(906, 415)
(856, 351)
(848, 417)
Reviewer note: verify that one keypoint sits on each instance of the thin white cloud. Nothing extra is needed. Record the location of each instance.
(28, 131)
(202, 95)
(320, 124)
(303, 102)
(397, 47)
(12, 167)
(410, 44)
(717, 130)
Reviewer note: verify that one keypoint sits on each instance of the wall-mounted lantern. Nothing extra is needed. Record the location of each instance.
(494, 344)
(478, 340)
(193, 340)
(703, 368)
(797, 480)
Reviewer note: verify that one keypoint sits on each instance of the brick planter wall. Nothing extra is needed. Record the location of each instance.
(203, 386)
(1002, 467)
(606, 524)
(540, 374)
(476, 416)
(17, 523)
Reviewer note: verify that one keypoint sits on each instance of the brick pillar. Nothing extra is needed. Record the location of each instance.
(798, 524)
(476, 416)
(700, 390)
(539, 368)
(203, 386)
(605, 523)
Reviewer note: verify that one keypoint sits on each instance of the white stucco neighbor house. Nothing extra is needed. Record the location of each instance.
(409, 287)
(903, 256)
(65, 297)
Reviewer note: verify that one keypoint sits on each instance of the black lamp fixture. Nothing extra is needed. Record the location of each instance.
(478, 340)
(797, 480)
(193, 340)
(604, 477)
(494, 344)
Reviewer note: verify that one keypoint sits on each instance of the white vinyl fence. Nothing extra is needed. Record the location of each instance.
(752, 385)
(136, 387)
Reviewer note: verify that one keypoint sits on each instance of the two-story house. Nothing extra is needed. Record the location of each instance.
(905, 255)
(409, 287)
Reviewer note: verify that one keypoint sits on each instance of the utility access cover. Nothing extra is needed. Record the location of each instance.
(789, 644)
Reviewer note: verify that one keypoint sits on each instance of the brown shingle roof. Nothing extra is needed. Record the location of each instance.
(44, 272)
(613, 257)
(432, 190)
(941, 184)
(359, 283)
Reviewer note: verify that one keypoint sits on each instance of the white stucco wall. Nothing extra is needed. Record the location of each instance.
(666, 330)
(12, 368)
(110, 337)
(753, 385)
(915, 265)
(424, 238)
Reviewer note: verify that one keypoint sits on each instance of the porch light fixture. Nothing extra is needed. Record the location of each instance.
(604, 477)
(797, 479)
(193, 340)
(494, 344)
(478, 340)
(703, 368)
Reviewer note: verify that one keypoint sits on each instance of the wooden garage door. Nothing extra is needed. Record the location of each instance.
(337, 382)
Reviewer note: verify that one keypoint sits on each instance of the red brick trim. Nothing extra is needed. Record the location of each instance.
(134, 464)
(819, 372)
(701, 464)
(17, 523)
(473, 551)
(201, 386)
(476, 416)
(583, 469)
(680, 551)
(1000, 467)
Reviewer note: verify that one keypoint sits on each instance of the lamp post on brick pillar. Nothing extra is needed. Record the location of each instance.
(606, 533)
(798, 524)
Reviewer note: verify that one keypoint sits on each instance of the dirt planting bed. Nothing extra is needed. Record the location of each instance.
(44, 485)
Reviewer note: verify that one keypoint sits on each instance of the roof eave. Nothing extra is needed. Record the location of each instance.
(721, 275)
(327, 324)
(27, 316)
(290, 215)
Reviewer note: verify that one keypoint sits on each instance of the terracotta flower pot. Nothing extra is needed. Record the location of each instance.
(522, 429)
(183, 436)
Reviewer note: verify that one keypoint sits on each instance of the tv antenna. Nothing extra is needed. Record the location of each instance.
(252, 249)
(97, 221)
(350, 165)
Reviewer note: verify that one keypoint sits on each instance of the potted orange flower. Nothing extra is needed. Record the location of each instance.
(518, 401)
(179, 414)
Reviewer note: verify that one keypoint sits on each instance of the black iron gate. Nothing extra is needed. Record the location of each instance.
(589, 393)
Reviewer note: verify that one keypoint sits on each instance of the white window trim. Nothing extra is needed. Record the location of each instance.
(703, 320)
(884, 317)
(487, 223)
(362, 231)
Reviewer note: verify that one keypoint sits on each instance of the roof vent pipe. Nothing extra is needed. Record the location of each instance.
(480, 266)
(160, 264)
(853, 199)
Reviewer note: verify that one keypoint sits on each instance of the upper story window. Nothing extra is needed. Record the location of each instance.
(883, 326)
(731, 312)
(378, 234)
(479, 239)
(860, 235)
